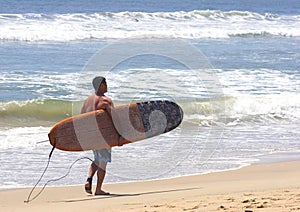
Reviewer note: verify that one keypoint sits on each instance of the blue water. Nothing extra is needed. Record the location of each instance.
(241, 104)
(92, 6)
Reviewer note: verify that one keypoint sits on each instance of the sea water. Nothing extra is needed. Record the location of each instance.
(233, 66)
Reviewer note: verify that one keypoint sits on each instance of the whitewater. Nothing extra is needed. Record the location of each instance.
(195, 24)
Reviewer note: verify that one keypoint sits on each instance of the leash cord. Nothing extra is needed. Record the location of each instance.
(53, 180)
(39, 180)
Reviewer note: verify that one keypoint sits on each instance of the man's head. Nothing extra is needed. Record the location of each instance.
(97, 81)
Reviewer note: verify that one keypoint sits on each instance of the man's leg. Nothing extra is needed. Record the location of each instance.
(100, 175)
(88, 184)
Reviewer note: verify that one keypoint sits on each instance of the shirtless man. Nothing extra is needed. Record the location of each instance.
(98, 101)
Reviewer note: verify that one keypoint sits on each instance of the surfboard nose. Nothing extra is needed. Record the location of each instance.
(160, 116)
(174, 114)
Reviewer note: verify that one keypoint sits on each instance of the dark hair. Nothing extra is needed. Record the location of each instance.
(97, 81)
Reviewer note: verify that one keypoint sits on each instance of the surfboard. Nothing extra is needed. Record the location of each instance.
(97, 129)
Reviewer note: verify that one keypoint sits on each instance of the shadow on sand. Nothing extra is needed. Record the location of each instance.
(91, 197)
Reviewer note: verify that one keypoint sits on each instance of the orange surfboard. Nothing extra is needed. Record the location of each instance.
(134, 122)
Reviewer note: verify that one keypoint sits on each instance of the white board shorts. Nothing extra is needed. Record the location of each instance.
(102, 155)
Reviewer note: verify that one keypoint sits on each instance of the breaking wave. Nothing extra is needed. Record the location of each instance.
(109, 25)
(245, 109)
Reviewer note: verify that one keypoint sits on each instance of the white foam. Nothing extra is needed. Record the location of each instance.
(23, 137)
(44, 84)
(108, 25)
(257, 81)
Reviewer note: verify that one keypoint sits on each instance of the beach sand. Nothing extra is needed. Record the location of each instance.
(267, 187)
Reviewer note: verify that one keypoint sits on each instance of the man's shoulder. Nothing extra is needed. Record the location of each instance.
(92, 96)
(105, 98)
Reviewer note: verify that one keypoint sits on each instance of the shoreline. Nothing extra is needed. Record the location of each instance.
(273, 158)
(273, 186)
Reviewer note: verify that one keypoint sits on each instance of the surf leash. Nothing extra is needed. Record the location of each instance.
(39, 180)
(29, 199)
(40, 142)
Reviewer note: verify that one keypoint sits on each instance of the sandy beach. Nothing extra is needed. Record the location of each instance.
(267, 187)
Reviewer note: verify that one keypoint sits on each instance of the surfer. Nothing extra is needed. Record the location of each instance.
(97, 101)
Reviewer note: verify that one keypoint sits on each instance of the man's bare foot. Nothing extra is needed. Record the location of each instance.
(101, 193)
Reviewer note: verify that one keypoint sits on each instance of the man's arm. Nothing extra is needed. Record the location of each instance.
(107, 104)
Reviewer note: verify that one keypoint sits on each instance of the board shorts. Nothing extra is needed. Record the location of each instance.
(102, 155)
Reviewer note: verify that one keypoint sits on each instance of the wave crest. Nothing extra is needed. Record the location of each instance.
(34, 112)
(244, 110)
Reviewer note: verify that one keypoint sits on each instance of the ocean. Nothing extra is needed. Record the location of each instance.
(233, 66)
